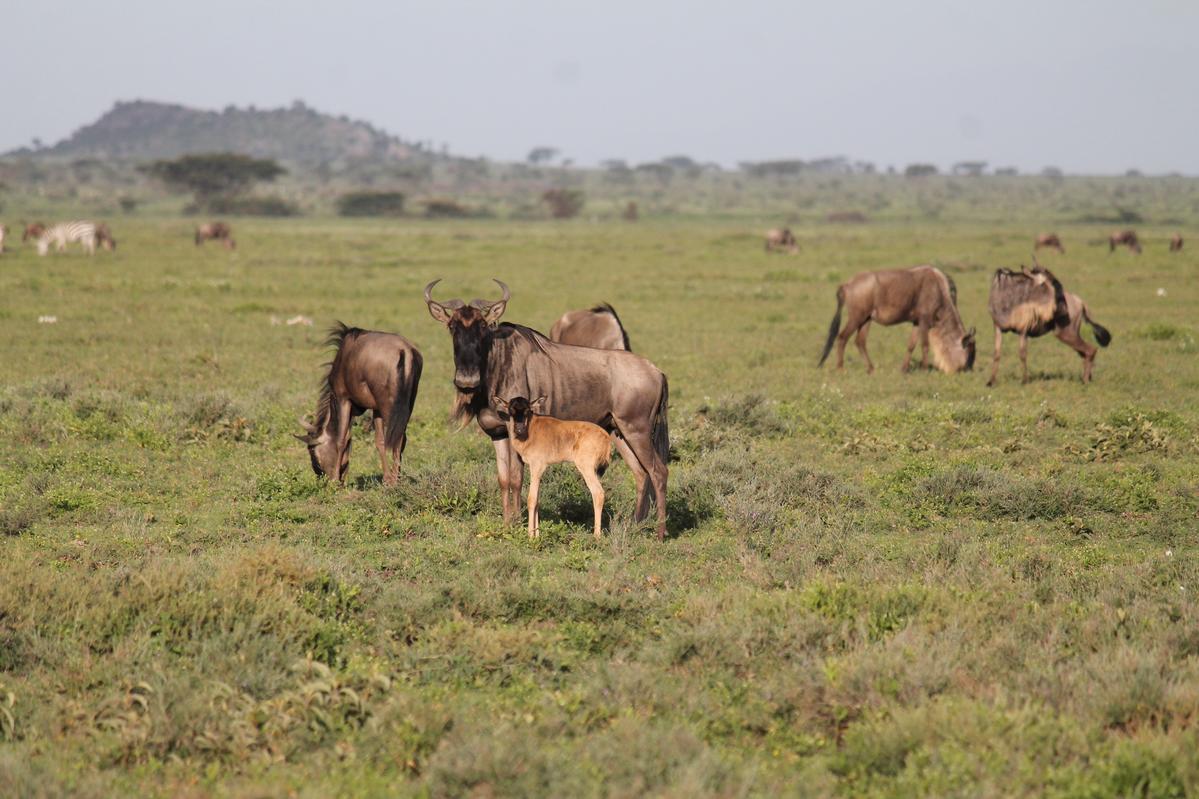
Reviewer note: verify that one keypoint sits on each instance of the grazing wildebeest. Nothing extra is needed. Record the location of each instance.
(1033, 303)
(781, 241)
(216, 231)
(1176, 242)
(104, 238)
(33, 230)
(621, 392)
(542, 441)
(3, 230)
(379, 372)
(922, 295)
(1127, 238)
(1050, 240)
(596, 327)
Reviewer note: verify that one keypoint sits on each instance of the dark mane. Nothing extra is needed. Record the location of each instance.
(604, 307)
(338, 334)
(534, 337)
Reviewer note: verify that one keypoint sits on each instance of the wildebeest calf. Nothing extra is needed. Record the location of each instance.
(1051, 241)
(598, 327)
(379, 372)
(33, 230)
(1033, 303)
(1176, 242)
(542, 441)
(216, 231)
(1125, 238)
(781, 241)
(922, 295)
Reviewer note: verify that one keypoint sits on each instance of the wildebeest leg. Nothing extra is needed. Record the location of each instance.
(851, 326)
(377, 423)
(995, 357)
(534, 490)
(516, 479)
(922, 331)
(642, 444)
(502, 449)
(1071, 337)
(597, 496)
(860, 340)
(345, 427)
(907, 361)
(1024, 357)
(640, 477)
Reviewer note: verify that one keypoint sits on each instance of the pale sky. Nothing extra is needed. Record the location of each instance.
(1092, 86)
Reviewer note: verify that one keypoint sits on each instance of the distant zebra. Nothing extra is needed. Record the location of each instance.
(3, 230)
(65, 232)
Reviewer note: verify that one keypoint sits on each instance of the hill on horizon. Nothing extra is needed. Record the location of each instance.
(145, 130)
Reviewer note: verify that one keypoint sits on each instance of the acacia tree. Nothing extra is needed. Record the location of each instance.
(214, 176)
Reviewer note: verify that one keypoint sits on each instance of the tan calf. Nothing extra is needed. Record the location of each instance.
(542, 441)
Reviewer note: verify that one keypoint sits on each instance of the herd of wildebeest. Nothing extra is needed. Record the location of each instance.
(574, 394)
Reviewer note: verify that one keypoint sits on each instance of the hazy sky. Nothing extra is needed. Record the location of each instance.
(1087, 85)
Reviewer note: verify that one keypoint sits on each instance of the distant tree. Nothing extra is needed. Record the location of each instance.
(211, 176)
(765, 169)
(371, 203)
(661, 171)
(1134, 173)
(919, 170)
(541, 155)
(1007, 171)
(1051, 172)
(614, 164)
(564, 203)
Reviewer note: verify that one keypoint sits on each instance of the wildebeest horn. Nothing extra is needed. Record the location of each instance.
(483, 305)
(429, 290)
(304, 423)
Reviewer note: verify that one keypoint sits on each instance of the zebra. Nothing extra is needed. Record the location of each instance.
(61, 234)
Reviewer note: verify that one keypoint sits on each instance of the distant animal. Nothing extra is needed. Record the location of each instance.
(216, 231)
(1049, 240)
(3, 231)
(623, 393)
(1176, 243)
(781, 241)
(922, 295)
(542, 441)
(1033, 303)
(66, 232)
(1126, 238)
(104, 238)
(595, 327)
(33, 230)
(630, 212)
(379, 372)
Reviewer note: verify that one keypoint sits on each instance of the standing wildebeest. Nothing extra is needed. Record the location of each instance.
(379, 372)
(621, 392)
(922, 295)
(1049, 240)
(1176, 242)
(542, 441)
(781, 241)
(3, 230)
(1127, 238)
(33, 230)
(1033, 303)
(216, 231)
(598, 327)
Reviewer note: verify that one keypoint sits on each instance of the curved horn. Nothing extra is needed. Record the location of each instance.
(438, 311)
(304, 423)
(503, 287)
(429, 290)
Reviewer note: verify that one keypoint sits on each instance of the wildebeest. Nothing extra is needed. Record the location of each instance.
(542, 441)
(379, 372)
(1050, 240)
(104, 238)
(33, 230)
(781, 241)
(1126, 238)
(621, 392)
(216, 231)
(1176, 242)
(1033, 303)
(3, 230)
(595, 327)
(922, 295)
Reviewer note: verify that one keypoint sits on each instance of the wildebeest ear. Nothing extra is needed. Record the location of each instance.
(495, 311)
(500, 405)
(439, 312)
(537, 405)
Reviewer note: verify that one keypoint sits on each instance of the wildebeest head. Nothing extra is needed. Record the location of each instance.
(516, 413)
(323, 451)
(471, 328)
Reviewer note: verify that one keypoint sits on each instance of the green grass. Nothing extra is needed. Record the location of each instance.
(885, 585)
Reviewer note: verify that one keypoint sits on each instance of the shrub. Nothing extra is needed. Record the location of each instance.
(564, 203)
(446, 209)
(252, 206)
(371, 203)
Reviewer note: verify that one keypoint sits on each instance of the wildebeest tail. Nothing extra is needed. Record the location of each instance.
(661, 432)
(834, 328)
(408, 370)
(607, 308)
(601, 465)
(1102, 335)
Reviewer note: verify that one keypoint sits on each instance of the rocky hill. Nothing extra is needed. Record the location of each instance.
(143, 130)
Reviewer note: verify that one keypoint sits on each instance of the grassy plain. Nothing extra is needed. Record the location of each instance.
(885, 585)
